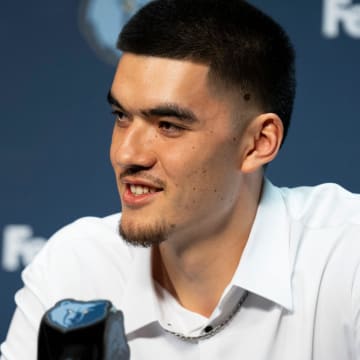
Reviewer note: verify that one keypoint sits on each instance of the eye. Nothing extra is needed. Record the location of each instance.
(169, 128)
(120, 118)
(118, 114)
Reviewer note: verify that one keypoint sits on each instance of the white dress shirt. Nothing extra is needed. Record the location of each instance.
(300, 267)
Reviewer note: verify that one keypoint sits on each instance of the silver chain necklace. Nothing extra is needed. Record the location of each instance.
(214, 330)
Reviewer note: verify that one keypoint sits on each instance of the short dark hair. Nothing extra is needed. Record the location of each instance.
(244, 48)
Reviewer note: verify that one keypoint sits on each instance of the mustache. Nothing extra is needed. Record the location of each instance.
(141, 173)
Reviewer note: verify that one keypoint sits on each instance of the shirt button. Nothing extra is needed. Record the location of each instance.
(208, 328)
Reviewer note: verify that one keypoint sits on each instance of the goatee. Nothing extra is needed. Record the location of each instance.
(144, 236)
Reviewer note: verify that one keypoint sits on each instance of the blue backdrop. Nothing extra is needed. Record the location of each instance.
(57, 62)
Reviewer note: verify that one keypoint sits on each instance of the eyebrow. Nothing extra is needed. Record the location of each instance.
(164, 110)
(113, 102)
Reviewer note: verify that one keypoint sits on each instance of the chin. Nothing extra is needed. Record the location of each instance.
(139, 233)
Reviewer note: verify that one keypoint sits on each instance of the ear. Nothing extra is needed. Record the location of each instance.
(262, 140)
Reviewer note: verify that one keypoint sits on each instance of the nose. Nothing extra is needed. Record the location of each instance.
(132, 146)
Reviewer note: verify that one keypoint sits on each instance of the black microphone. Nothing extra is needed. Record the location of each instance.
(82, 330)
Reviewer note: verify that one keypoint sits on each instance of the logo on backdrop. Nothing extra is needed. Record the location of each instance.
(100, 22)
(19, 247)
(341, 16)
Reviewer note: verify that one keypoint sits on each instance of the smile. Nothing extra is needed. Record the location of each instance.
(140, 192)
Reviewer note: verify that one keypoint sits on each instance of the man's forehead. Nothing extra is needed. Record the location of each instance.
(160, 67)
(154, 77)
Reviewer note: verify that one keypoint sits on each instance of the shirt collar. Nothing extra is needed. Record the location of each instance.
(265, 268)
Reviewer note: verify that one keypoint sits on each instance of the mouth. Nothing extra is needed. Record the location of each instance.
(138, 190)
(139, 193)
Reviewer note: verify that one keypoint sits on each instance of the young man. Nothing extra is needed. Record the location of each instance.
(225, 265)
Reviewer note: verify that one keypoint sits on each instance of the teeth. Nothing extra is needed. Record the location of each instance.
(140, 190)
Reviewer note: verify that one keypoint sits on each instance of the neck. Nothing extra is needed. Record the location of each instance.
(197, 273)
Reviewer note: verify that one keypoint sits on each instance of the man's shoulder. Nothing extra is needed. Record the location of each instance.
(91, 238)
(322, 206)
(82, 260)
(89, 232)
(324, 242)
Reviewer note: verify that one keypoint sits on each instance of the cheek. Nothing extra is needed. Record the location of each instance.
(204, 173)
